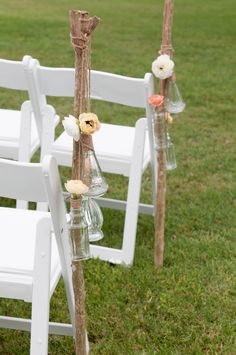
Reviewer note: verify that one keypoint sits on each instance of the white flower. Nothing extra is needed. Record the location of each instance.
(163, 67)
(71, 127)
(76, 187)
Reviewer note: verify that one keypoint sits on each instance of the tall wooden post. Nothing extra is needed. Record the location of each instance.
(82, 27)
(166, 48)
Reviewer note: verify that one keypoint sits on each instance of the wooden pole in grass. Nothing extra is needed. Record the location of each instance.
(166, 48)
(82, 27)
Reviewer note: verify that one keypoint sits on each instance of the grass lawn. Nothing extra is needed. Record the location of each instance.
(188, 306)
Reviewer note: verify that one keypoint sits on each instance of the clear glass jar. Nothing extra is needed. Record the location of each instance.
(170, 154)
(160, 130)
(94, 219)
(78, 234)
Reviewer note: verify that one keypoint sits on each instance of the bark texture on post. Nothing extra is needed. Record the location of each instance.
(166, 48)
(82, 27)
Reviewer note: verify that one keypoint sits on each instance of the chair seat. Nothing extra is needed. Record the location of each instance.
(10, 121)
(17, 238)
(10, 132)
(113, 145)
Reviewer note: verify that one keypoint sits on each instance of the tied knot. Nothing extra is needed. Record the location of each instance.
(86, 142)
(80, 42)
(75, 203)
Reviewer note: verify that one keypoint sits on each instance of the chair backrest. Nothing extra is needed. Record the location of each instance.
(104, 86)
(13, 74)
(41, 183)
(128, 91)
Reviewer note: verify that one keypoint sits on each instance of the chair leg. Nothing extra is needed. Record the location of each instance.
(41, 290)
(24, 141)
(47, 139)
(132, 208)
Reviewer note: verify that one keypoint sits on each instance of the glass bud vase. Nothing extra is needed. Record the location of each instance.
(94, 218)
(78, 234)
(160, 130)
(92, 175)
(174, 102)
(170, 154)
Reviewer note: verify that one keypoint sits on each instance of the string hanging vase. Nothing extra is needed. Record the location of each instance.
(163, 140)
(170, 154)
(78, 232)
(174, 102)
(94, 219)
(160, 130)
(92, 175)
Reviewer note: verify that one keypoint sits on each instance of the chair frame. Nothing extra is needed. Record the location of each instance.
(13, 77)
(41, 81)
(46, 177)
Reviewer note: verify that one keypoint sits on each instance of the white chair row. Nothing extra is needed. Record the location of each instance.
(120, 149)
(31, 257)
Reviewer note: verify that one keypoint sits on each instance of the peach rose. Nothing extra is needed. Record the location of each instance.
(89, 123)
(156, 100)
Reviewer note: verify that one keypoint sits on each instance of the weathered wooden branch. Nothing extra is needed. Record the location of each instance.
(82, 27)
(166, 48)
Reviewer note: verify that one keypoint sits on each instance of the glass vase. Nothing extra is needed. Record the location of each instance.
(78, 234)
(170, 154)
(92, 175)
(94, 218)
(160, 130)
(174, 102)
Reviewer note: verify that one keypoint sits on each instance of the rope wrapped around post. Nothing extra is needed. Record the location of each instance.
(166, 48)
(82, 27)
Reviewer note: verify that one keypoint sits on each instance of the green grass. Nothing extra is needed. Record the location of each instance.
(188, 306)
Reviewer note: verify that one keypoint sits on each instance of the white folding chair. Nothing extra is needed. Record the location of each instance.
(18, 132)
(119, 149)
(31, 256)
(19, 137)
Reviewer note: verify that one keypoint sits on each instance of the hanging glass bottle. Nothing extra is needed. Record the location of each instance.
(174, 102)
(78, 233)
(92, 175)
(170, 154)
(94, 218)
(160, 130)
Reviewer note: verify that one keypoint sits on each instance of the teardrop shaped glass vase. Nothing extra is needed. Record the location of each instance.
(94, 219)
(174, 102)
(92, 175)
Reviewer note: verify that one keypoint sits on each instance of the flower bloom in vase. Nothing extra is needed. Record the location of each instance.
(162, 67)
(71, 127)
(77, 225)
(76, 187)
(89, 123)
(156, 100)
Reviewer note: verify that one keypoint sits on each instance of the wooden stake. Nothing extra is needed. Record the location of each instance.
(81, 29)
(166, 48)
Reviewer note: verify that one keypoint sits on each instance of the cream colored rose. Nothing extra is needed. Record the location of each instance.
(163, 67)
(76, 187)
(71, 127)
(89, 123)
